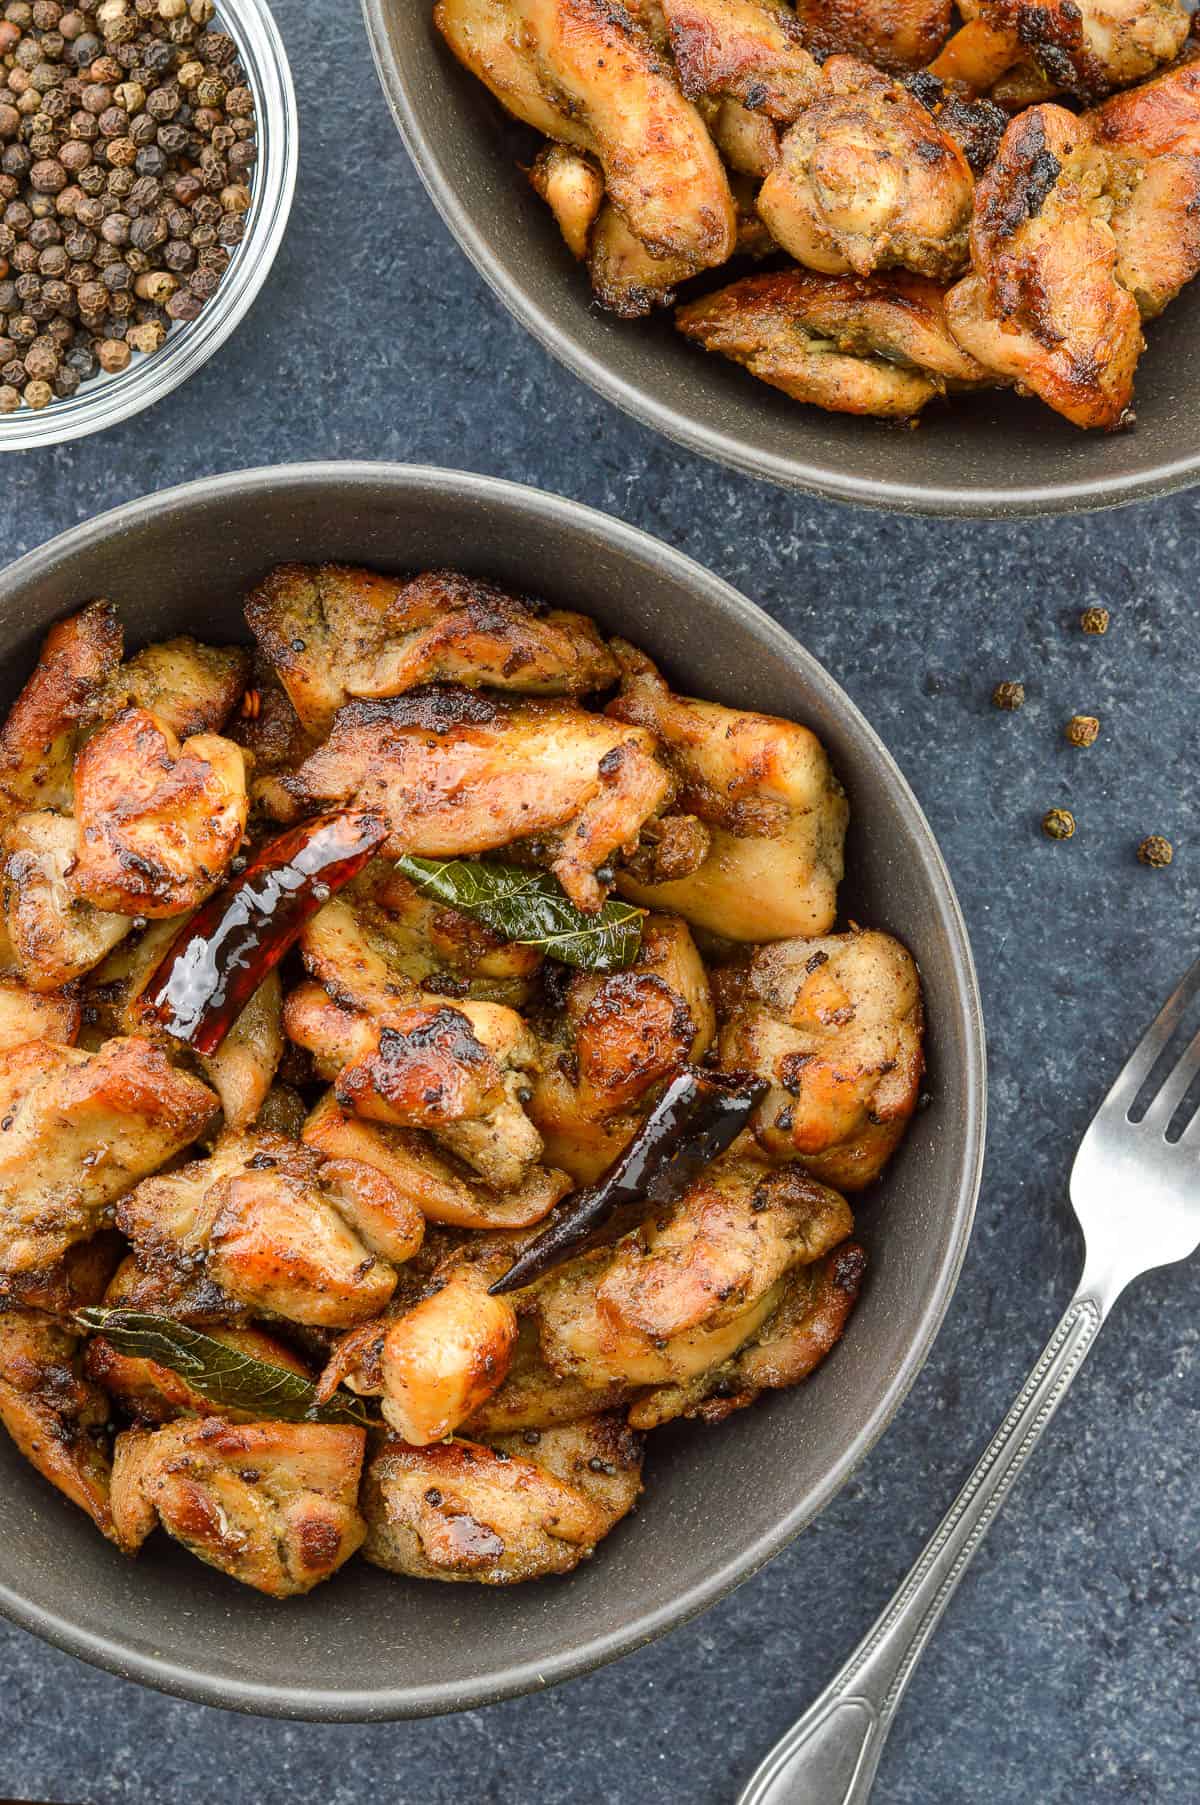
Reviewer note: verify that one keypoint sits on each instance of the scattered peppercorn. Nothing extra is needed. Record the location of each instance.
(127, 146)
(1058, 823)
(1094, 620)
(1009, 696)
(1082, 730)
(1156, 851)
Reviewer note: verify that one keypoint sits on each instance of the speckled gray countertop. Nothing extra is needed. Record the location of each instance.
(1067, 1668)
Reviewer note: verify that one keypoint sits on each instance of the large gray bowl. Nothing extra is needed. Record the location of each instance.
(984, 454)
(373, 1646)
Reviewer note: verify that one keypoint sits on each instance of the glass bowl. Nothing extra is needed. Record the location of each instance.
(106, 399)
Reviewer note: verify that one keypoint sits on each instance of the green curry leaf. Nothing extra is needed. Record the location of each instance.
(531, 908)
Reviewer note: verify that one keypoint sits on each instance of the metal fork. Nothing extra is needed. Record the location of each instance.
(1136, 1195)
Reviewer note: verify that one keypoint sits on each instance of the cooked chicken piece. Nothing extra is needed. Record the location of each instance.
(456, 773)
(57, 1419)
(279, 1229)
(975, 125)
(626, 278)
(836, 1026)
(274, 1505)
(670, 846)
(55, 937)
(242, 1070)
(26, 1015)
(534, 1397)
(572, 186)
(750, 51)
(438, 1187)
(158, 821)
(616, 1042)
(190, 687)
(38, 739)
(866, 180)
(1152, 134)
(695, 1283)
(582, 72)
(176, 1289)
(81, 1277)
(82, 1129)
(748, 142)
(457, 1070)
(379, 941)
(893, 34)
(1085, 47)
(878, 345)
(1044, 305)
(446, 1354)
(333, 632)
(268, 729)
(154, 1394)
(808, 1322)
(763, 787)
(463, 1511)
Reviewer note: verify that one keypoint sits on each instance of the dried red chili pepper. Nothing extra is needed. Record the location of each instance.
(219, 958)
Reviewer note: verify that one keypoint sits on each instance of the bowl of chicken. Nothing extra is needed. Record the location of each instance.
(470, 981)
(777, 233)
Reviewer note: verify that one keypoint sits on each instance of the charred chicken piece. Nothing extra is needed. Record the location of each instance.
(191, 688)
(976, 125)
(895, 35)
(151, 1393)
(692, 1286)
(617, 1040)
(55, 936)
(1085, 47)
(764, 789)
(1152, 137)
(453, 773)
(26, 1015)
(279, 1230)
(626, 278)
(274, 1505)
(836, 1026)
(809, 1320)
(866, 180)
(83, 1128)
(439, 1187)
(614, 95)
(878, 345)
(1044, 305)
(749, 51)
(456, 1070)
(56, 1418)
(572, 186)
(158, 821)
(39, 736)
(499, 1515)
(333, 632)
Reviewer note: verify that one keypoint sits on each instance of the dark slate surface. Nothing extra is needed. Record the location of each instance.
(1067, 1669)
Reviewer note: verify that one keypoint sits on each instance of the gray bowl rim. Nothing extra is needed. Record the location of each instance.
(385, 1704)
(1008, 502)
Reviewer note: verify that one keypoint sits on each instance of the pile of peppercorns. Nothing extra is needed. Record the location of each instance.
(127, 141)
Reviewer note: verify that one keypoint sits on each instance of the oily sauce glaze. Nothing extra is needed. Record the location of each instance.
(526, 1195)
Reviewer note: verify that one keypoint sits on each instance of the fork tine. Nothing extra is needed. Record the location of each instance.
(1174, 1088)
(1138, 1066)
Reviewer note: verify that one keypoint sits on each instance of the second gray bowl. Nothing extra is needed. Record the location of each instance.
(991, 454)
(718, 1503)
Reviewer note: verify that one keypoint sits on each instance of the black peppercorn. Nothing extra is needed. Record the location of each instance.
(1156, 851)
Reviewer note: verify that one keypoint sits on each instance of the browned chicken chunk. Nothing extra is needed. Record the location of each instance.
(1085, 47)
(333, 632)
(836, 1026)
(582, 71)
(55, 936)
(191, 688)
(878, 345)
(1152, 136)
(893, 34)
(274, 1505)
(572, 186)
(56, 1418)
(83, 1128)
(446, 1354)
(39, 736)
(158, 820)
(763, 787)
(626, 278)
(867, 180)
(750, 51)
(1044, 305)
(454, 772)
(498, 1515)
(26, 1015)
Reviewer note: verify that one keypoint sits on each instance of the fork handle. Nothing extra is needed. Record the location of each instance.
(830, 1756)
